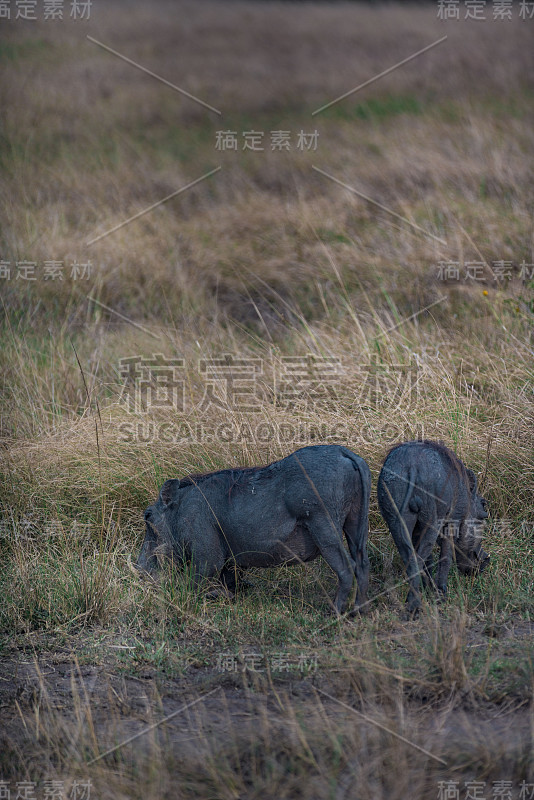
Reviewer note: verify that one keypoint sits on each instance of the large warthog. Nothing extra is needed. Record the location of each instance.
(285, 513)
(426, 494)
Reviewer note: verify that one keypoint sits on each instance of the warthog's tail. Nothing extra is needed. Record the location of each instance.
(365, 476)
(407, 502)
(411, 502)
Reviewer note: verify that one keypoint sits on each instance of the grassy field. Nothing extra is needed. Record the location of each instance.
(262, 309)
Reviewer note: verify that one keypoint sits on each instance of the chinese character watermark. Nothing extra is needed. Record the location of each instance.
(253, 661)
(47, 10)
(232, 383)
(500, 271)
(282, 140)
(49, 271)
(51, 790)
(484, 9)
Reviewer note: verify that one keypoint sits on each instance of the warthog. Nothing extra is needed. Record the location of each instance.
(424, 493)
(284, 513)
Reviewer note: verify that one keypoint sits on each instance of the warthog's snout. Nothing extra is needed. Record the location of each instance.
(474, 562)
(482, 559)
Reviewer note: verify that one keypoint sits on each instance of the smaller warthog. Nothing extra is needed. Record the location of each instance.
(285, 513)
(425, 493)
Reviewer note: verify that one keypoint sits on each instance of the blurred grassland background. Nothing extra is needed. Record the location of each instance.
(265, 259)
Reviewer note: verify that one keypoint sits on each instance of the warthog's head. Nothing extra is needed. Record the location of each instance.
(159, 539)
(471, 558)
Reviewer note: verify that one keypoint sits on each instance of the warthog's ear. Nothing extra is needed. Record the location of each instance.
(473, 482)
(169, 491)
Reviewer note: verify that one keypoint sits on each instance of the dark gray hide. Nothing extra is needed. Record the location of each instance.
(425, 493)
(285, 513)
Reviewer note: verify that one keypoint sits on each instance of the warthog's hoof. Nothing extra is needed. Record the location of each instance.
(410, 613)
(222, 591)
(332, 611)
(359, 609)
(151, 575)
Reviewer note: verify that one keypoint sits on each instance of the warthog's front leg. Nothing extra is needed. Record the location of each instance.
(444, 563)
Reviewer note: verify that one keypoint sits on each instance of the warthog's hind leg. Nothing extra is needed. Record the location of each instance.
(329, 540)
(356, 532)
